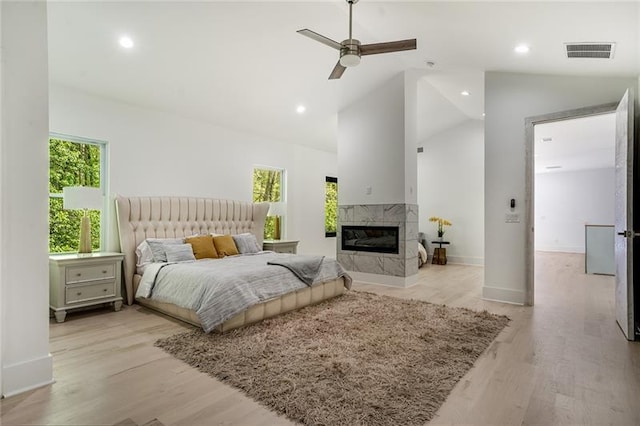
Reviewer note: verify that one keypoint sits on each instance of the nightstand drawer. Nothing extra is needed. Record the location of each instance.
(83, 293)
(79, 274)
(291, 250)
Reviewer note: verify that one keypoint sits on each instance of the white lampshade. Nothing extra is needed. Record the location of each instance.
(277, 209)
(81, 197)
(349, 60)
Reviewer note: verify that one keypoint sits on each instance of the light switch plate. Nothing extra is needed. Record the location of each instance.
(512, 218)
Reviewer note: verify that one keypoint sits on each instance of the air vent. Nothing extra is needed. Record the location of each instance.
(590, 50)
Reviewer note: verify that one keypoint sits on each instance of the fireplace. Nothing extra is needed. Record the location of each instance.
(378, 239)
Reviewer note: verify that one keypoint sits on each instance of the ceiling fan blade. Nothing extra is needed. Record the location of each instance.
(319, 37)
(392, 46)
(337, 72)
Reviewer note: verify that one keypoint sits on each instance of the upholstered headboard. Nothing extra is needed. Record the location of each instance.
(140, 218)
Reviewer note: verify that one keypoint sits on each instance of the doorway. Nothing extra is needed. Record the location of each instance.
(574, 188)
(530, 133)
(626, 201)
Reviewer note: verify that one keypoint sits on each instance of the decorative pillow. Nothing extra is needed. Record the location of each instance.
(225, 246)
(246, 243)
(144, 256)
(203, 247)
(179, 253)
(157, 246)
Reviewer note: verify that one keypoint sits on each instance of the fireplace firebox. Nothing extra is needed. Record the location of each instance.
(378, 239)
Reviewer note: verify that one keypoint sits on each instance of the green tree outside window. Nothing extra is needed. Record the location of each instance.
(331, 207)
(71, 164)
(267, 187)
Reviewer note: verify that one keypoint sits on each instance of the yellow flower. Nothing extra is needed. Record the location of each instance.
(441, 224)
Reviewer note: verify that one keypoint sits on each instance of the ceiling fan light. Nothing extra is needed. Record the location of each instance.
(349, 60)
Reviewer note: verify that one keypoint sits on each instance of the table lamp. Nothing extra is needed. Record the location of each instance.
(276, 210)
(82, 198)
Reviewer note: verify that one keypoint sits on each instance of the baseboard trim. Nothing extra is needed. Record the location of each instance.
(557, 249)
(465, 260)
(503, 295)
(385, 280)
(26, 376)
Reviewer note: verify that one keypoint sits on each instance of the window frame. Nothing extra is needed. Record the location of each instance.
(330, 179)
(283, 192)
(103, 179)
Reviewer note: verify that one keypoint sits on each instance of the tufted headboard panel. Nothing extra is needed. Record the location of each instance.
(140, 218)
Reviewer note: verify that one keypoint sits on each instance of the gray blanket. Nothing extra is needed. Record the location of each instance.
(304, 267)
(218, 289)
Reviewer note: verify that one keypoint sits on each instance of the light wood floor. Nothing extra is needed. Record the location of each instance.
(562, 362)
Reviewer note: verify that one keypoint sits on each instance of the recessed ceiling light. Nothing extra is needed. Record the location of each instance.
(522, 48)
(464, 93)
(483, 114)
(126, 42)
(301, 109)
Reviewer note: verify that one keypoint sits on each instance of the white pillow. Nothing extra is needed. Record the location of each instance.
(179, 253)
(144, 257)
(159, 245)
(246, 243)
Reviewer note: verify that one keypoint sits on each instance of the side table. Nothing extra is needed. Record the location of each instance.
(281, 246)
(440, 253)
(81, 280)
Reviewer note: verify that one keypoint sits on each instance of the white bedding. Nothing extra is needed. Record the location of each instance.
(217, 289)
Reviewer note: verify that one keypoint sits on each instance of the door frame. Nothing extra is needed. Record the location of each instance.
(529, 209)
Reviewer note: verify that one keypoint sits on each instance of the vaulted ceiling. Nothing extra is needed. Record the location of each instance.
(241, 64)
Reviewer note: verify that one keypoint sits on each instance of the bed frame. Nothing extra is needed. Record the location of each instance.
(140, 218)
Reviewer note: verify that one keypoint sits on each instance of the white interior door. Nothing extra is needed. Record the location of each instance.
(624, 215)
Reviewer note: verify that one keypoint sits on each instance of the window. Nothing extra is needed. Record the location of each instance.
(73, 162)
(268, 185)
(331, 206)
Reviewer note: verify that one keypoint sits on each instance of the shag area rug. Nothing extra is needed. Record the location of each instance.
(358, 359)
(130, 422)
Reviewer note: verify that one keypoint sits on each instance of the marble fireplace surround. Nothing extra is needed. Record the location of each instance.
(398, 270)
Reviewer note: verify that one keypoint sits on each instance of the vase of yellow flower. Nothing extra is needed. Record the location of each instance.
(441, 224)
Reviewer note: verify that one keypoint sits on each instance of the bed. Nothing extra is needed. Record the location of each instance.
(141, 218)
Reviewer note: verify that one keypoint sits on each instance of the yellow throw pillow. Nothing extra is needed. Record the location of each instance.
(225, 246)
(202, 246)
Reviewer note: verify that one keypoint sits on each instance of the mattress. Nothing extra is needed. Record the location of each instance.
(267, 309)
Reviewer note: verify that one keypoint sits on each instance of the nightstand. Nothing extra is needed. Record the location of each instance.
(81, 280)
(281, 246)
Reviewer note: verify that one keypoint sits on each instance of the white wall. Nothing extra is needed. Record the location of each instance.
(567, 201)
(157, 153)
(509, 99)
(26, 362)
(451, 185)
(376, 146)
(1, 214)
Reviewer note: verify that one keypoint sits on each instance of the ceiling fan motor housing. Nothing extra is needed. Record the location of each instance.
(351, 50)
(350, 53)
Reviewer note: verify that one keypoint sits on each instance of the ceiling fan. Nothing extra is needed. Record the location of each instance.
(351, 50)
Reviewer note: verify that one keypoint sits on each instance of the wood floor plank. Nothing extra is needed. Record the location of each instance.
(563, 361)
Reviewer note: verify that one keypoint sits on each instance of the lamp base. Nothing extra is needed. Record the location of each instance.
(276, 228)
(85, 235)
